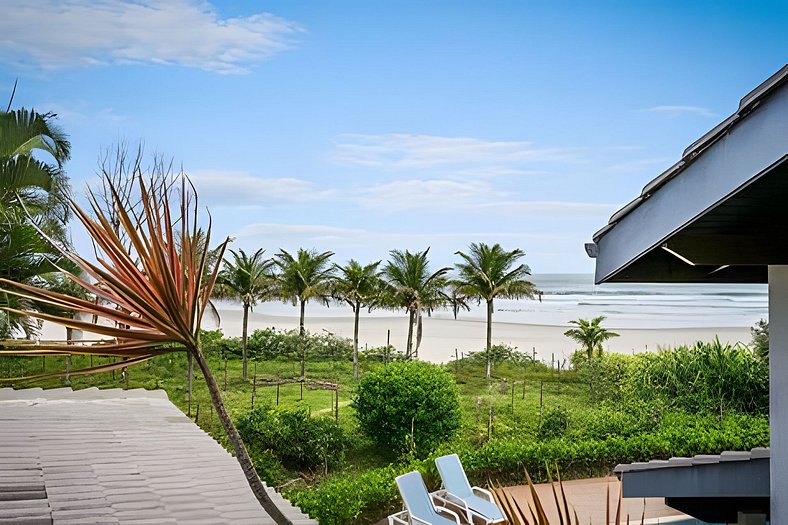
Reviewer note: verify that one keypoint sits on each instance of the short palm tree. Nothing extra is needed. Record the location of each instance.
(154, 291)
(412, 286)
(302, 278)
(360, 287)
(590, 334)
(489, 272)
(246, 278)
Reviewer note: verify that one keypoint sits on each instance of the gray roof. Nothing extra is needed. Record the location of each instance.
(116, 457)
(701, 459)
(717, 214)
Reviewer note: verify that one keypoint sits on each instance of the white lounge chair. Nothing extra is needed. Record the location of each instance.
(479, 503)
(420, 510)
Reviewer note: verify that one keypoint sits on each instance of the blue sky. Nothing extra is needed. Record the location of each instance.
(363, 126)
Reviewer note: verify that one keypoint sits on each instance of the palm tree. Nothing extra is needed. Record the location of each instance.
(359, 286)
(590, 334)
(303, 278)
(33, 196)
(413, 287)
(246, 278)
(154, 293)
(487, 272)
(25, 177)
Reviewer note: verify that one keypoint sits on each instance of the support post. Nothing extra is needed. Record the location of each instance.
(778, 391)
(277, 394)
(190, 373)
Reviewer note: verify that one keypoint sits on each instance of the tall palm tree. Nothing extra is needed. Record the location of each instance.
(246, 278)
(488, 272)
(152, 289)
(303, 278)
(590, 334)
(412, 286)
(359, 286)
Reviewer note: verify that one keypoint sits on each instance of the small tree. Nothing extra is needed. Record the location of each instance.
(760, 339)
(408, 403)
(590, 334)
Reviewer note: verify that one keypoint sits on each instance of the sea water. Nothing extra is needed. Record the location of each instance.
(572, 296)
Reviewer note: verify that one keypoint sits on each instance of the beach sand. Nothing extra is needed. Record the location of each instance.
(443, 334)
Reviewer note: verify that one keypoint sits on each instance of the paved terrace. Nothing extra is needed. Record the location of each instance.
(117, 457)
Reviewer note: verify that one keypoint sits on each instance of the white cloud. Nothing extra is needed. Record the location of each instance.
(406, 151)
(554, 209)
(676, 111)
(429, 195)
(53, 34)
(239, 188)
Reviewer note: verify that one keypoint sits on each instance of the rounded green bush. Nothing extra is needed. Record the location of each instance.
(407, 405)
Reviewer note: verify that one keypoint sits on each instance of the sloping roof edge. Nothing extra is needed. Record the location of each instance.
(748, 103)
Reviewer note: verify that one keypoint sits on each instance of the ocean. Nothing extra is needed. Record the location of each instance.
(572, 296)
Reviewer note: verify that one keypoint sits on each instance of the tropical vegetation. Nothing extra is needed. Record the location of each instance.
(248, 279)
(489, 272)
(590, 334)
(412, 286)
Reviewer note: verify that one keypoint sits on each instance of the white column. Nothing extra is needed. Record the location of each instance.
(778, 391)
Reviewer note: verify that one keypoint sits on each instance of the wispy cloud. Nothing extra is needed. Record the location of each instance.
(239, 188)
(54, 34)
(676, 111)
(428, 195)
(406, 151)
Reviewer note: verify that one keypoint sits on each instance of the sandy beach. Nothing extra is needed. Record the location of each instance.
(443, 334)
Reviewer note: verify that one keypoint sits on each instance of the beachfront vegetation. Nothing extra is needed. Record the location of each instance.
(590, 334)
(489, 272)
(760, 339)
(301, 278)
(361, 287)
(413, 287)
(585, 419)
(408, 406)
(246, 278)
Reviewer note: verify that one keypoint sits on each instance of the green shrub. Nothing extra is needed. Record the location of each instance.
(350, 498)
(555, 423)
(408, 404)
(295, 438)
(271, 344)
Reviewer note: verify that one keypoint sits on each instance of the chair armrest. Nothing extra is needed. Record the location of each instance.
(449, 512)
(484, 494)
(400, 518)
(446, 497)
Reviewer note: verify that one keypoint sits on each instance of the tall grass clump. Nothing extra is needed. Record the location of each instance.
(703, 377)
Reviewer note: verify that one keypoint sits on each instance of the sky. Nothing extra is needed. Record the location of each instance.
(365, 126)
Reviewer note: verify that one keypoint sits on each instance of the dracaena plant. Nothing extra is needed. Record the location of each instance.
(151, 289)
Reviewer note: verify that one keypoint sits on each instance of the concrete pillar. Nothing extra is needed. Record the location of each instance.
(778, 391)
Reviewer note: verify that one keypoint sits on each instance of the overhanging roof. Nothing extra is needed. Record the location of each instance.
(718, 214)
(712, 488)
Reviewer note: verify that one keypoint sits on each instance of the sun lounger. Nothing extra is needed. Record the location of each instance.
(420, 510)
(478, 502)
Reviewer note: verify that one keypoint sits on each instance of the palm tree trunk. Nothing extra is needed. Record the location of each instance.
(258, 487)
(355, 340)
(302, 332)
(419, 332)
(489, 335)
(244, 334)
(409, 347)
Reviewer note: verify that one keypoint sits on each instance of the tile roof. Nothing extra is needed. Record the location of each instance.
(117, 457)
(701, 459)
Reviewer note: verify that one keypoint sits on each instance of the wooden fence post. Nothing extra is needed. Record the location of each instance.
(190, 372)
(277, 394)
